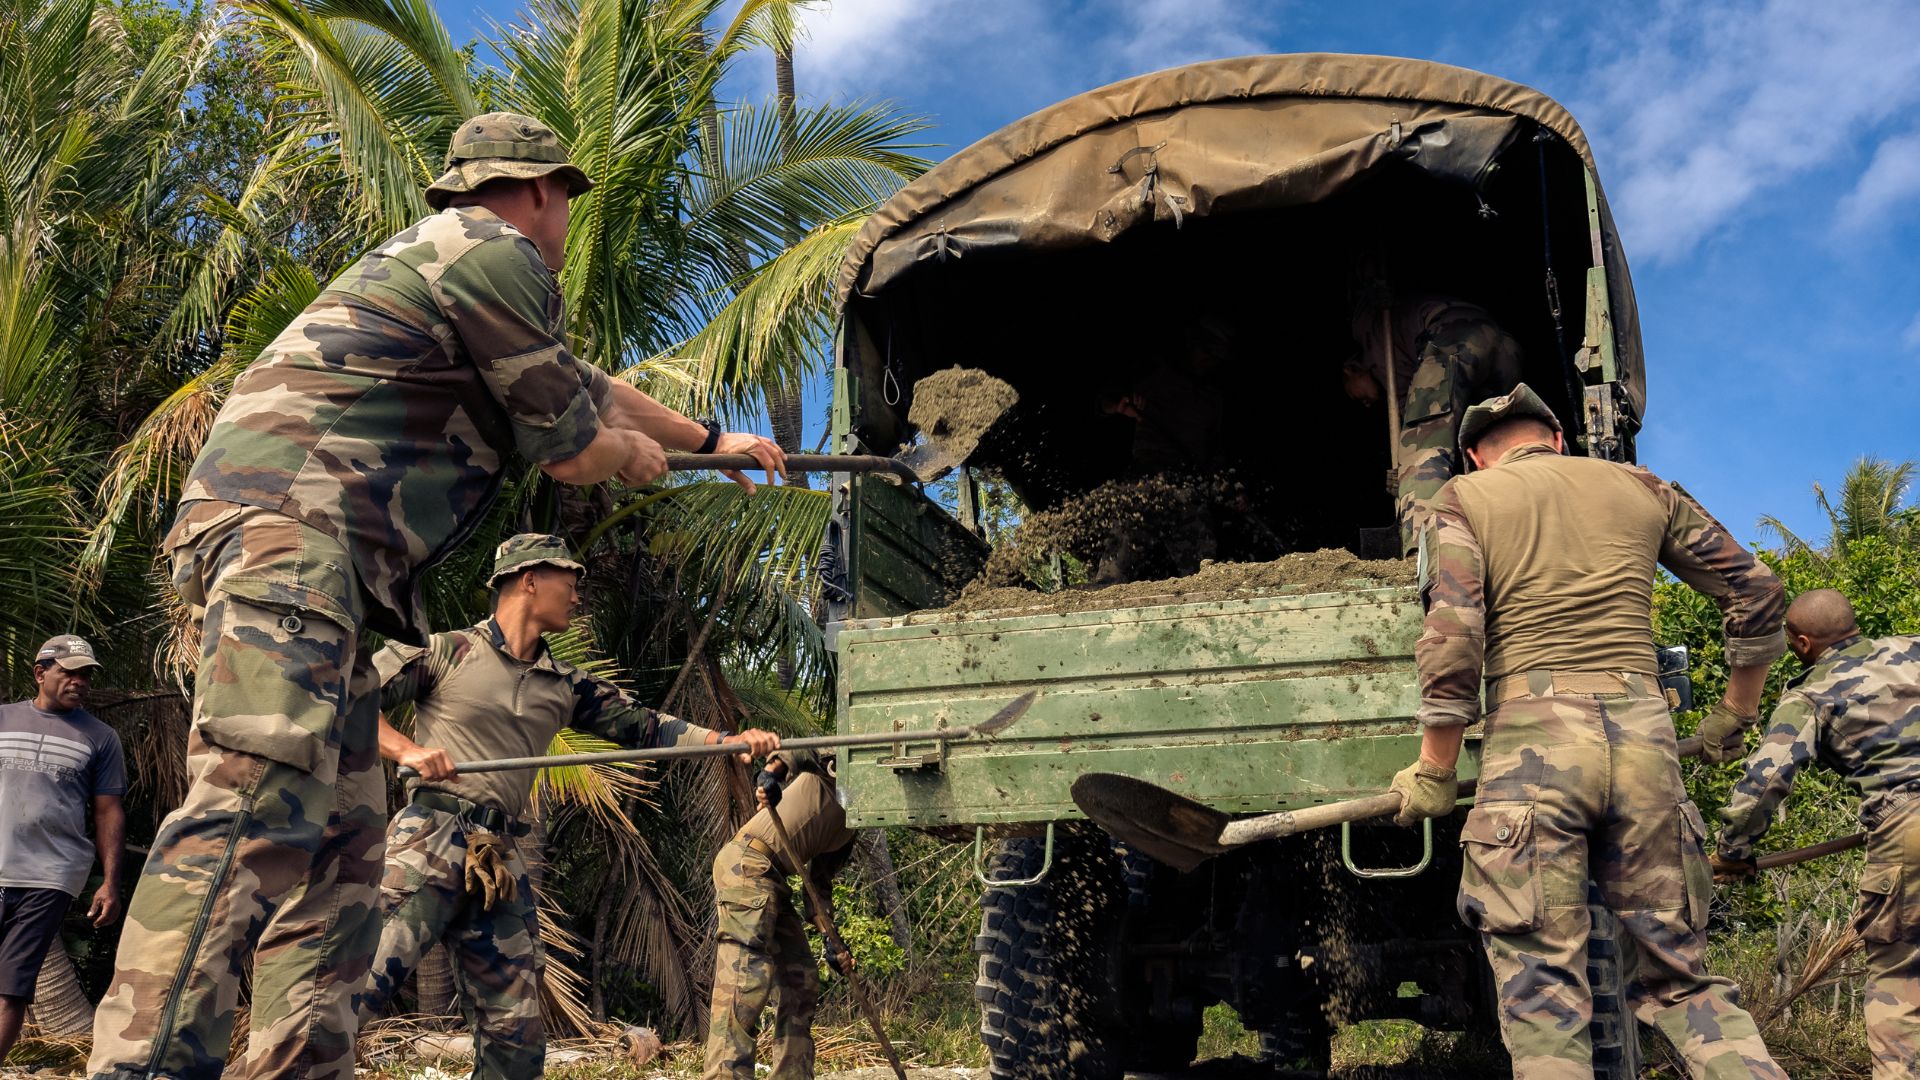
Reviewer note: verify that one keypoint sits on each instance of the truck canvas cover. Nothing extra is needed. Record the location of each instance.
(1216, 138)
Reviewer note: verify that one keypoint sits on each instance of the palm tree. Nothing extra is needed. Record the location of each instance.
(1869, 506)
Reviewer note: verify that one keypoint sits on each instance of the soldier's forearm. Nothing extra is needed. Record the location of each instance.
(1744, 686)
(1441, 745)
(392, 743)
(635, 410)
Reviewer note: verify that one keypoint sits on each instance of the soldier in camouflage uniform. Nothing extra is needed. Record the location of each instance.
(454, 869)
(1446, 354)
(1538, 582)
(360, 448)
(761, 940)
(1856, 709)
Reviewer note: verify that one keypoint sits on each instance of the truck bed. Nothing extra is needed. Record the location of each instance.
(1313, 692)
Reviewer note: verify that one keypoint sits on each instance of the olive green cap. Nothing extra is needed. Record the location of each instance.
(70, 651)
(498, 146)
(1517, 404)
(527, 550)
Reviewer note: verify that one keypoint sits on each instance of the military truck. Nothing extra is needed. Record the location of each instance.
(1059, 249)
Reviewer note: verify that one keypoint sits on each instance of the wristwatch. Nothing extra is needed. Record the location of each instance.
(713, 434)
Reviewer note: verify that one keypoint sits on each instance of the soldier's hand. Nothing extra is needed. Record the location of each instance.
(764, 450)
(1727, 870)
(1723, 734)
(431, 762)
(758, 743)
(105, 907)
(766, 787)
(646, 460)
(1426, 791)
(841, 961)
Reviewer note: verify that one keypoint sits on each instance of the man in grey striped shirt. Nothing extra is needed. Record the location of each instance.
(56, 762)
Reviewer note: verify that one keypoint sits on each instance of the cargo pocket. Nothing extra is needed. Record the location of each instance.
(1881, 898)
(742, 919)
(1693, 859)
(1500, 875)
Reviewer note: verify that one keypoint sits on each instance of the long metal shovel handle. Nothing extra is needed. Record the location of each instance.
(832, 933)
(1289, 822)
(984, 729)
(796, 463)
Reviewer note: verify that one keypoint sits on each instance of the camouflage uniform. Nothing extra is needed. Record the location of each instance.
(1857, 709)
(1537, 577)
(476, 700)
(1447, 354)
(761, 940)
(361, 447)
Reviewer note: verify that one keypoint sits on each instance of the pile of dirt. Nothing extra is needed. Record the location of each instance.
(1327, 570)
(955, 408)
(1169, 513)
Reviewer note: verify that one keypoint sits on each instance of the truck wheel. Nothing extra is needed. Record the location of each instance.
(1045, 987)
(1616, 1036)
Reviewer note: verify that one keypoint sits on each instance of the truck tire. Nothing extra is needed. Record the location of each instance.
(1046, 977)
(1616, 1036)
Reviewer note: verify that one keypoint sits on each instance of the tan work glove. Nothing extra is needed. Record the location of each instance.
(1426, 791)
(1723, 734)
(488, 877)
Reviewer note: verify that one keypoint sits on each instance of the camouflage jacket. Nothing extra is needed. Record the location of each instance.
(1547, 562)
(383, 414)
(1855, 709)
(475, 700)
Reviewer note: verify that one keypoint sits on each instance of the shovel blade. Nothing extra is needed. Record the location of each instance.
(930, 460)
(1161, 824)
(954, 409)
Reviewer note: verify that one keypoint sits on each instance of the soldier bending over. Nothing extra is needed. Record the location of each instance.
(762, 942)
(1856, 709)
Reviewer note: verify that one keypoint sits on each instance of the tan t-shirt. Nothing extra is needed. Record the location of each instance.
(1547, 562)
(475, 700)
(808, 808)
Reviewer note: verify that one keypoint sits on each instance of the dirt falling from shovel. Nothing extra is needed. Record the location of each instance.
(956, 407)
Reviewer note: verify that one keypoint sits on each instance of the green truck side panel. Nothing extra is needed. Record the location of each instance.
(1249, 704)
(904, 549)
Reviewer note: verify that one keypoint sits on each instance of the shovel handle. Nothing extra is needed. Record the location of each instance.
(796, 463)
(1811, 851)
(1288, 822)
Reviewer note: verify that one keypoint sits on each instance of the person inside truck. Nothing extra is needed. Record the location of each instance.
(1440, 354)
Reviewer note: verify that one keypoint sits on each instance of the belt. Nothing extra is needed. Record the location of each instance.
(472, 814)
(764, 848)
(1541, 682)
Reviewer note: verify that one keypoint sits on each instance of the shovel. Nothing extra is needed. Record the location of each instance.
(1184, 833)
(985, 729)
(953, 426)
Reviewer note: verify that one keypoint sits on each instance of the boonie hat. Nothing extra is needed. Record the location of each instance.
(70, 651)
(525, 550)
(1519, 403)
(503, 145)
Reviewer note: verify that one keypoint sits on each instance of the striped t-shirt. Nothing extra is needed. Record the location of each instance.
(51, 767)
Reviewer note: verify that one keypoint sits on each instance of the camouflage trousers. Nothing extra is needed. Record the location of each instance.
(1577, 786)
(1464, 361)
(496, 954)
(276, 850)
(1889, 921)
(761, 945)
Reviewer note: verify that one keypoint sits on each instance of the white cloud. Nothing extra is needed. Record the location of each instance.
(1702, 106)
(1911, 339)
(1015, 55)
(1890, 184)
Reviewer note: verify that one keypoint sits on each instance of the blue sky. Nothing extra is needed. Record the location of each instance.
(1763, 159)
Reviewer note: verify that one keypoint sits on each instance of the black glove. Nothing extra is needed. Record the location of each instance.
(840, 962)
(769, 787)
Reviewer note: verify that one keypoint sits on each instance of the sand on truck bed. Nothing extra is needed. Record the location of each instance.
(1327, 570)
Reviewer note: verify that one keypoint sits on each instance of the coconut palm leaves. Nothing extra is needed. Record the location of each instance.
(1869, 505)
